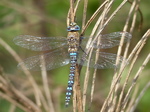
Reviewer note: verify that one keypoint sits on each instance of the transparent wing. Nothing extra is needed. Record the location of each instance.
(105, 60)
(53, 60)
(40, 43)
(108, 40)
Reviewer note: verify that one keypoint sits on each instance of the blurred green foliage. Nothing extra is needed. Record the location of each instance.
(48, 18)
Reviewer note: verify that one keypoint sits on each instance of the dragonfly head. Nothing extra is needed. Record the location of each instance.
(73, 27)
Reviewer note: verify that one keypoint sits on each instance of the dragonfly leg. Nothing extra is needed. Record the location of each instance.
(83, 50)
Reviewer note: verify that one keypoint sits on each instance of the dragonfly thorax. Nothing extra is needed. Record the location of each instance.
(73, 41)
(72, 38)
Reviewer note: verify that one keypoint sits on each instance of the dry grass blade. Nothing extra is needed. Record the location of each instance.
(134, 81)
(50, 107)
(141, 41)
(27, 73)
(125, 54)
(72, 15)
(117, 78)
(84, 13)
(85, 26)
(77, 98)
(99, 26)
(12, 108)
(133, 97)
(16, 97)
(76, 6)
(111, 16)
(40, 100)
(100, 29)
(13, 101)
(132, 109)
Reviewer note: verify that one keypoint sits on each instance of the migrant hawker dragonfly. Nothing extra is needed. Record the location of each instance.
(66, 50)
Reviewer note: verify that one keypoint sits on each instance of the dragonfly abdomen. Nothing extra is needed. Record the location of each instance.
(73, 60)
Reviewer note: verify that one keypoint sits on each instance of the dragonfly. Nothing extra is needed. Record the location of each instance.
(63, 51)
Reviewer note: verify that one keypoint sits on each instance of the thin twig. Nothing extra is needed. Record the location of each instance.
(76, 6)
(84, 13)
(135, 80)
(78, 91)
(13, 101)
(142, 41)
(72, 16)
(27, 73)
(17, 97)
(139, 97)
(12, 108)
(132, 99)
(85, 85)
(134, 16)
(75, 96)
(102, 18)
(141, 15)
(84, 27)
(46, 86)
(112, 16)
(126, 48)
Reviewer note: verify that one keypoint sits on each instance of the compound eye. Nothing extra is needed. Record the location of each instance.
(68, 28)
(77, 27)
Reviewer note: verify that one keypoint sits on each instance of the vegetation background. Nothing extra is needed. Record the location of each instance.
(48, 18)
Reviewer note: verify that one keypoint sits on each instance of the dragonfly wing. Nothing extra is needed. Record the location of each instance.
(109, 40)
(40, 43)
(105, 60)
(54, 59)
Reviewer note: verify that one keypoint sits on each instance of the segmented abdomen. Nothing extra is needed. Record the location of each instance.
(73, 60)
